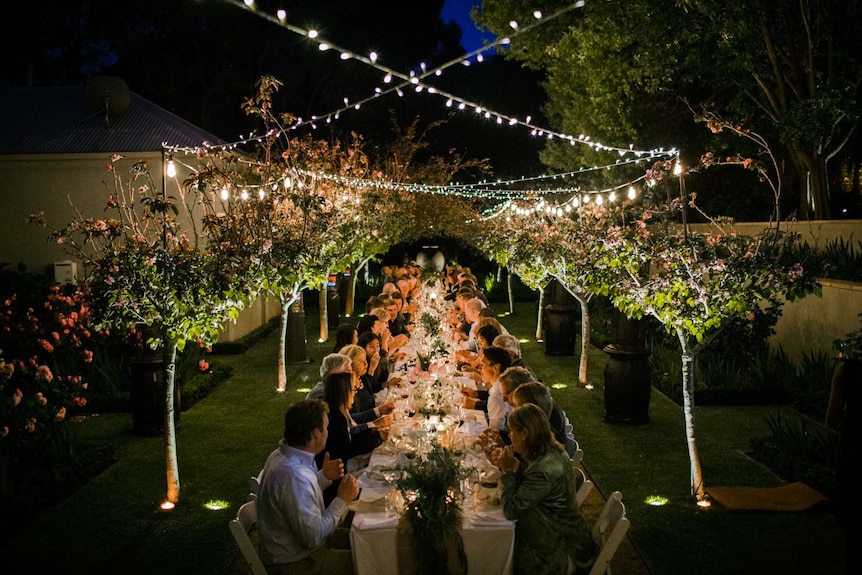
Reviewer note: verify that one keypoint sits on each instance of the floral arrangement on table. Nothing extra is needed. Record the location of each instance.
(432, 510)
(431, 323)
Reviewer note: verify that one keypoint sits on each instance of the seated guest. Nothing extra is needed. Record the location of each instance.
(342, 442)
(495, 361)
(373, 302)
(345, 335)
(365, 408)
(378, 368)
(510, 343)
(299, 533)
(377, 321)
(539, 492)
(510, 380)
(396, 321)
(332, 363)
(485, 335)
(540, 394)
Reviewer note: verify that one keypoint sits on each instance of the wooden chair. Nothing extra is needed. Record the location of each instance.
(608, 532)
(246, 518)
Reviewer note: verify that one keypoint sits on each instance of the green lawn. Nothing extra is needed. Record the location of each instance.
(113, 524)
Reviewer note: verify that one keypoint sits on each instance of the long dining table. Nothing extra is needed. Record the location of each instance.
(428, 407)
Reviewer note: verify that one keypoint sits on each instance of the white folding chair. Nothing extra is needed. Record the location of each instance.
(584, 486)
(608, 532)
(246, 518)
(254, 486)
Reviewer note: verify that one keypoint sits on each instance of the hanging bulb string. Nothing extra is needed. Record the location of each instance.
(415, 80)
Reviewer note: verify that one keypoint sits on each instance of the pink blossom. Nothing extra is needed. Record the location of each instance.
(267, 245)
(47, 345)
(5, 431)
(61, 414)
(88, 356)
(43, 373)
(203, 365)
(17, 397)
(31, 425)
(55, 335)
(41, 398)
(79, 401)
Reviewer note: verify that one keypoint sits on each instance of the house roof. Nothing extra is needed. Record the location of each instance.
(58, 120)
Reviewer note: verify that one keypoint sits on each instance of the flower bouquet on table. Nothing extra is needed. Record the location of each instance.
(430, 323)
(432, 511)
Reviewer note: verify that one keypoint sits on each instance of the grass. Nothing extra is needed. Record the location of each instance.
(112, 525)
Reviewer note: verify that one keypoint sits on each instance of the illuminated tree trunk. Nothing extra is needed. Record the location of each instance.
(286, 301)
(540, 317)
(324, 314)
(173, 470)
(688, 356)
(509, 290)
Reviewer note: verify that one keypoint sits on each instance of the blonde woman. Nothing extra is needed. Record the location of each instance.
(539, 492)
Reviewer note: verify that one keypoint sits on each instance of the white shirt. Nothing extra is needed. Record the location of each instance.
(291, 516)
(497, 407)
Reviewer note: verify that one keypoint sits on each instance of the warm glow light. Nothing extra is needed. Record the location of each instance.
(387, 78)
(320, 340)
(559, 385)
(323, 46)
(166, 506)
(345, 56)
(656, 500)
(588, 386)
(523, 340)
(282, 16)
(216, 504)
(704, 503)
(677, 169)
(224, 194)
(537, 14)
(244, 194)
(373, 56)
(261, 193)
(632, 192)
(172, 168)
(312, 33)
(513, 24)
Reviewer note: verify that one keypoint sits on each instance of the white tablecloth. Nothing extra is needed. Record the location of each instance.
(488, 537)
(488, 546)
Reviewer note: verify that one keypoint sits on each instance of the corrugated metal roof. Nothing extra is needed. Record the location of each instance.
(56, 120)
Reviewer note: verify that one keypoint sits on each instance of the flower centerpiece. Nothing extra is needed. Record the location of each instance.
(431, 323)
(432, 511)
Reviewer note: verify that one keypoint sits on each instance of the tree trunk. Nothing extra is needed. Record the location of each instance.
(697, 488)
(585, 337)
(282, 360)
(351, 291)
(813, 187)
(173, 470)
(324, 314)
(509, 290)
(540, 317)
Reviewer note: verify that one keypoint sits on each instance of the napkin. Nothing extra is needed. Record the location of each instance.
(372, 494)
(374, 521)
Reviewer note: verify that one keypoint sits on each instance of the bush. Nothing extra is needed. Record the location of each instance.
(796, 452)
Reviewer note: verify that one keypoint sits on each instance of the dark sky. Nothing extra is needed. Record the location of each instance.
(459, 11)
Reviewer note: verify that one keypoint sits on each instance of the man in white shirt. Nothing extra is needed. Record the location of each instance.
(298, 534)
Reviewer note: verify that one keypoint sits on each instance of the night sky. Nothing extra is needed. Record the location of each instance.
(459, 11)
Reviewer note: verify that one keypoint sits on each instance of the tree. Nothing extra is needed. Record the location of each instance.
(694, 284)
(787, 70)
(148, 267)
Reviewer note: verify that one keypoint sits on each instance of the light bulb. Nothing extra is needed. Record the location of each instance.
(312, 33)
(537, 14)
(373, 56)
(513, 24)
(323, 46)
(632, 192)
(261, 193)
(677, 169)
(224, 194)
(282, 16)
(172, 168)
(244, 194)
(387, 78)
